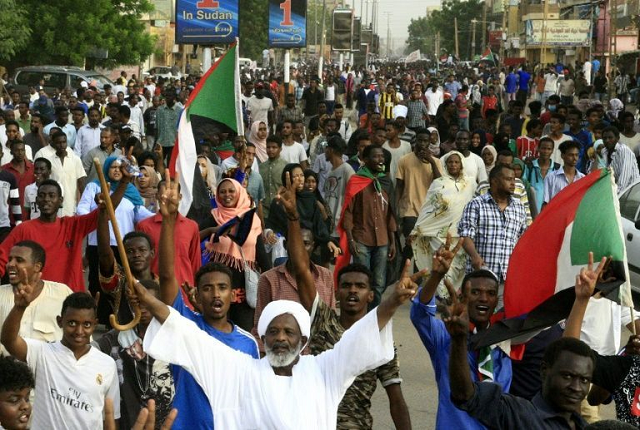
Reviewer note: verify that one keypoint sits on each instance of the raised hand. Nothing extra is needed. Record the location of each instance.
(444, 256)
(170, 199)
(588, 277)
(24, 293)
(407, 286)
(333, 249)
(457, 316)
(287, 197)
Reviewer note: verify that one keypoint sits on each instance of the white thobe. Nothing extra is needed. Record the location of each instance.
(245, 393)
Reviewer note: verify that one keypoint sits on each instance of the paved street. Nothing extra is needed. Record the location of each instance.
(419, 385)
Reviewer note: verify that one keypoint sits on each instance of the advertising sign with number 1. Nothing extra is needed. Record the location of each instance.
(287, 23)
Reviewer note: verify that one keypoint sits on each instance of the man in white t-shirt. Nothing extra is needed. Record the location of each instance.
(73, 379)
(292, 151)
(39, 319)
(397, 147)
(473, 165)
(556, 125)
(260, 107)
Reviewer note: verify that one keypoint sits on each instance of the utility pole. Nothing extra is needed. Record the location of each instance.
(613, 49)
(473, 39)
(504, 31)
(388, 34)
(543, 50)
(455, 24)
(438, 51)
(321, 57)
(484, 26)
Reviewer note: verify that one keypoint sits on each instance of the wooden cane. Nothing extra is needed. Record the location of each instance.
(113, 319)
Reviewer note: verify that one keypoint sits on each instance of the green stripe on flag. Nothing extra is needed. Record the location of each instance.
(216, 98)
(595, 226)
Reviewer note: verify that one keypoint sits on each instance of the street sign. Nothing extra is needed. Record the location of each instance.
(206, 22)
(342, 30)
(287, 23)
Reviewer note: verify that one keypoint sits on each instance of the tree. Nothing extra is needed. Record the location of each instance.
(254, 27)
(14, 29)
(66, 31)
(422, 31)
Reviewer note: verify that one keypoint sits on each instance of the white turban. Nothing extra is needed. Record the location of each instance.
(400, 110)
(279, 307)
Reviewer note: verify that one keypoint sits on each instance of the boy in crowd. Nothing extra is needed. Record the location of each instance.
(16, 382)
(73, 379)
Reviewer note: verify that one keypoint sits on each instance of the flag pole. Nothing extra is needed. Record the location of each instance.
(633, 320)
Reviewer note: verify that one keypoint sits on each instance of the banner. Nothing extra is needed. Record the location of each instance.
(206, 22)
(414, 56)
(287, 23)
(559, 32)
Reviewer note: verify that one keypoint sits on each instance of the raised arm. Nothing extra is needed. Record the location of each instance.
(585, 285)
(295, 246)
(105, 253)
(439, 267)
(403, 290)
(23, 296)
(168, 205)
(457, 324)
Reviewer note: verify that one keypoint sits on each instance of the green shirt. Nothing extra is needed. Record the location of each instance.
(271, 172)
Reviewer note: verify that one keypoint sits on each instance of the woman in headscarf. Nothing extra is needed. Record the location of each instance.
(489, 155)
(439, 216)
(147, 184)
(233, 202)
(478, 141)
(129, 212)
(209, 174)
(616, 106)
(258, 136)
(311, 216)
(434, 142)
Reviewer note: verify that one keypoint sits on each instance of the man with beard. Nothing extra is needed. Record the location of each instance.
(247, 393)
(213, 294)
(480, 293)
(36, 139)
(367, 225)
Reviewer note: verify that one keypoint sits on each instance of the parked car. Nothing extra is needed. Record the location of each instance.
(162, 72)
(55, 77)
(629, 212)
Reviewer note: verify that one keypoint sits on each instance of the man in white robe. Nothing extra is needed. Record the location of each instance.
(283, 390)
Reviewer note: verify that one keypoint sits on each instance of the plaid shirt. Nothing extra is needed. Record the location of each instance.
(416, 113)
(494, 232)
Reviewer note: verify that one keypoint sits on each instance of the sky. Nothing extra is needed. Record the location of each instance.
(401, 13)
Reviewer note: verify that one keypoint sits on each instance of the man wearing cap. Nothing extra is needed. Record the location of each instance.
(400, 113)
(248, 393)
(62, 122)
(480, 292)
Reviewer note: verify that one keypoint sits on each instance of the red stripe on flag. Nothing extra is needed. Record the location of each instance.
(533, 266)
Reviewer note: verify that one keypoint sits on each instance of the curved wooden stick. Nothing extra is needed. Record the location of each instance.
(113, 319)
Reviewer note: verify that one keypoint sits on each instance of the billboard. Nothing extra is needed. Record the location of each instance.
(342, 34)
(574, 32)
(287, 23)
(206, 22)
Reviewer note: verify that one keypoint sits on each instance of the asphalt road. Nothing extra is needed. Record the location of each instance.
(419, 386)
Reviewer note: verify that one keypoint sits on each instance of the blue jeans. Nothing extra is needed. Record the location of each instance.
(375, 258)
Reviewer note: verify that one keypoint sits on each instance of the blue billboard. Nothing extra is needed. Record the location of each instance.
(287, 23)
(206, 22)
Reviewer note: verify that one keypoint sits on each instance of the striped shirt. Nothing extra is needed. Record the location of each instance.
(624, 165)
(9, 197)
(493, 231)
(556, 181)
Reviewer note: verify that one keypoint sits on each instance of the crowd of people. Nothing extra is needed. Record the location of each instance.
(342, 184)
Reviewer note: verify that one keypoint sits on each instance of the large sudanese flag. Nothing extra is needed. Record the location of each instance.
(215, 102)
(539, 289)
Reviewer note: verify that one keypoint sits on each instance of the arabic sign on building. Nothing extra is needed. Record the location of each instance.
(559, 32)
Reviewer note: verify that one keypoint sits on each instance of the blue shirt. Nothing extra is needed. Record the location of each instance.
(190, 400)
(436, 339)
(453, 88)
(584, 137)
(523, 82)
(511, 82)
